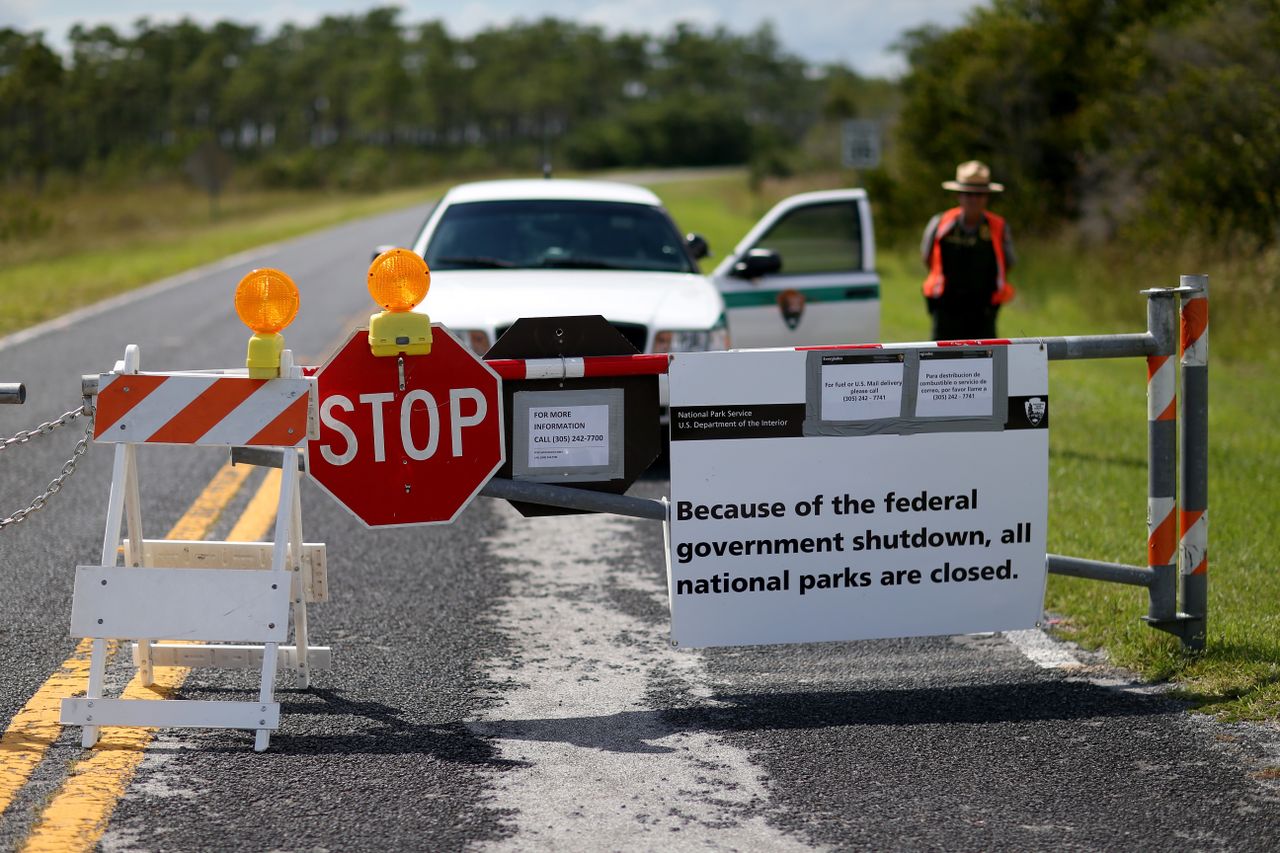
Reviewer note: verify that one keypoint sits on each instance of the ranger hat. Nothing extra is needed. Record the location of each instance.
(973, 177)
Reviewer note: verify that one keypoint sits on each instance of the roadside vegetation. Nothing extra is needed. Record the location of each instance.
(100, 243)
(1098, 443)
(1137, 139)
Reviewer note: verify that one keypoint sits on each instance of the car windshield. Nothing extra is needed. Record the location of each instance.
(536, 234)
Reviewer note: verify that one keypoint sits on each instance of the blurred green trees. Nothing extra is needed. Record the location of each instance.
(1139, 118)
(1124, 117)
(363, 100)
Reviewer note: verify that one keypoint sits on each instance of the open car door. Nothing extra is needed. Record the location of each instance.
(826, 289)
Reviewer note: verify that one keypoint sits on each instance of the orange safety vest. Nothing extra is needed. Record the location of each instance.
(936, 282)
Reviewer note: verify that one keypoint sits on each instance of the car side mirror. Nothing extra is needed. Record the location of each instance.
(758, 263)
(380, 249)
(698, 246)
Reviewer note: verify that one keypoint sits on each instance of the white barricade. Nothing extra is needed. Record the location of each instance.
(199, 595)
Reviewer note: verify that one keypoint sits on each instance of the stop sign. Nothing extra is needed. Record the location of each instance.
(406, 439)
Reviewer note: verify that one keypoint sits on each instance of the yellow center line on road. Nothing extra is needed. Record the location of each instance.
(34, 728)
(77, 816)
(260, 514)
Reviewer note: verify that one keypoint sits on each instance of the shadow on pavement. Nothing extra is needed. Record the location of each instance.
(634, 731)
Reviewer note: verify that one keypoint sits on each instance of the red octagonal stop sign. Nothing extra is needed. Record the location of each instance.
(406, 439)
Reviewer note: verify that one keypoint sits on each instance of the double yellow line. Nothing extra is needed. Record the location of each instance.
(77, 815)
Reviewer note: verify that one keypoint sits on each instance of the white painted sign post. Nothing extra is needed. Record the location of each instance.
(842, 495)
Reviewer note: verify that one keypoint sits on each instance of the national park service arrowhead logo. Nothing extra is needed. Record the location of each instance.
(1035, 409)
(791, 304)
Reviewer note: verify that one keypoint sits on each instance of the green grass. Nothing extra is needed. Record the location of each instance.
(1098, 443)
(97, 244)
(1097, 457)
(1097, 492)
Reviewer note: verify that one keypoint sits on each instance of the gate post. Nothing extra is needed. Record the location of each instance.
(1194, 457)
(1162, 456)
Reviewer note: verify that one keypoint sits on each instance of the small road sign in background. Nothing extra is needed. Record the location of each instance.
(860, 144)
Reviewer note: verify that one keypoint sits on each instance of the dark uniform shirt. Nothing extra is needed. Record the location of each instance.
(964, 309)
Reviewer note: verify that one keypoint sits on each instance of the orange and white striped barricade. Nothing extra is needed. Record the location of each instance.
(1193, 458)
(202, 595)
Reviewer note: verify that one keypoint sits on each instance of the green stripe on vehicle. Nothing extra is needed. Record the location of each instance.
(834, 293)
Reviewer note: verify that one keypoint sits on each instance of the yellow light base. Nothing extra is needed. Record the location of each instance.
(263, 360)
(396, 332)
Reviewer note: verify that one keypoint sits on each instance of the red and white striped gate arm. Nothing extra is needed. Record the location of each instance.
(983, 342)
(578, 368)
(649, 363)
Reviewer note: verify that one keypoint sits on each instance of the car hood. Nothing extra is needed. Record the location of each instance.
(486, 299)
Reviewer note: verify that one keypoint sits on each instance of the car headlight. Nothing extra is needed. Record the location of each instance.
(693, 340)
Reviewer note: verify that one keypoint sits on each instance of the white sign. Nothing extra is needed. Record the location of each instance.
(565, 436)
(853, 392)
(954, 387)
(860, 144)
(568, 436)
(782, 533)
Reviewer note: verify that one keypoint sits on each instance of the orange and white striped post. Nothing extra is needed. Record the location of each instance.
(1162, 463)
(1194, 457)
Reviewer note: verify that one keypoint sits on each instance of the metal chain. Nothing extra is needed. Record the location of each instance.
(67, 469)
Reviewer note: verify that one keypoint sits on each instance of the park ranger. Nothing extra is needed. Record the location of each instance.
(968, 251)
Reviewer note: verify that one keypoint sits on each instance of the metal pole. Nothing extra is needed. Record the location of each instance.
(13, 392)
(569, 498)
(1162, 461)
(1098, 570)
(1096, 346)
(1194, 459)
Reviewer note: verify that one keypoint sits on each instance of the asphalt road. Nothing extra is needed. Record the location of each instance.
(505, 683)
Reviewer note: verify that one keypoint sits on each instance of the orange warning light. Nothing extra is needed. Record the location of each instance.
(266, 300)
(398, 280)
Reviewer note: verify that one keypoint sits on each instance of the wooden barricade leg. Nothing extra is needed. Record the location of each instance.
(120, 467)
(133, 524)
(266, 693)
(297, 591)
(97, 672)
(284, 534)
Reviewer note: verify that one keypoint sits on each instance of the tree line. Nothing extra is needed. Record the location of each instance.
(1148, 118)
(358, 99)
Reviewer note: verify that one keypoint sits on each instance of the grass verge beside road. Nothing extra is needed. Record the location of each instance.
(98, 244)
(1097, 501)
(1098, 470)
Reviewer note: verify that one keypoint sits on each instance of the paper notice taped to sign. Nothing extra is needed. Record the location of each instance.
(856, 392)
(568, 436)
(954, 387)
(571, 436)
